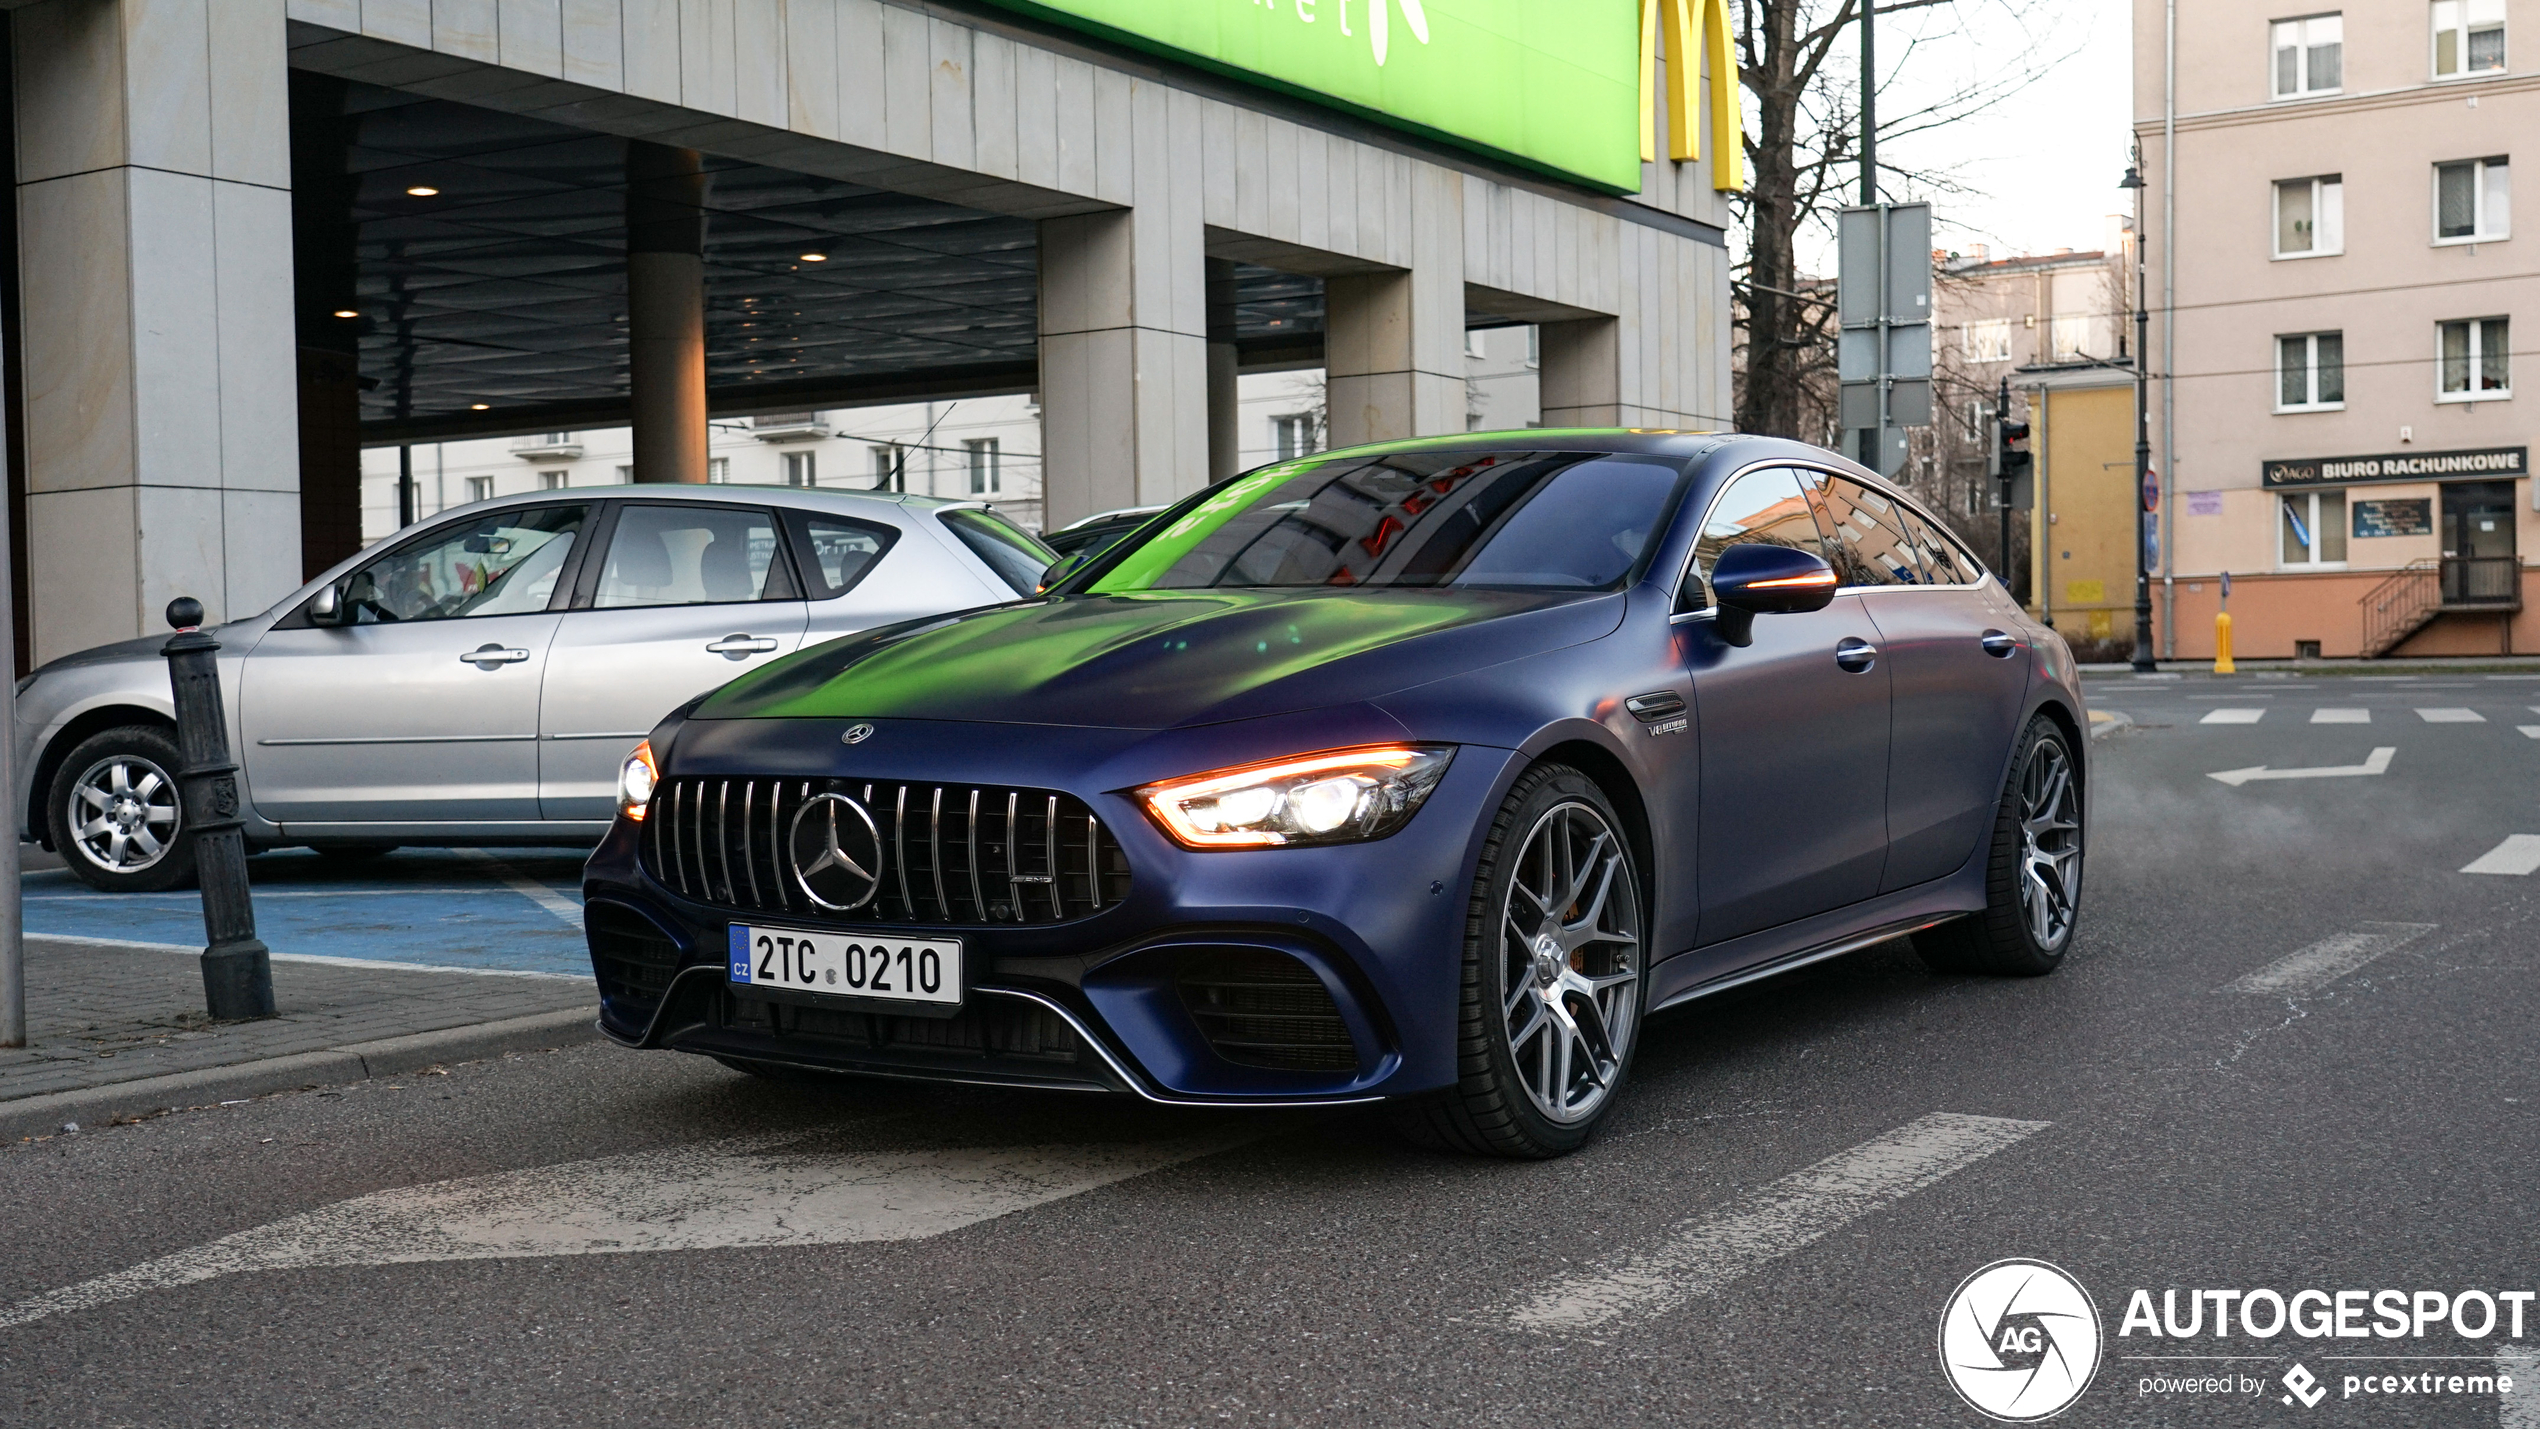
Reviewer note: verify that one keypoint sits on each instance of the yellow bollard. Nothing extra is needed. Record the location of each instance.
(2222, 643)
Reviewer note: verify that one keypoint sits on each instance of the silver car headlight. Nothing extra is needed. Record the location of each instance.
(1337, 797)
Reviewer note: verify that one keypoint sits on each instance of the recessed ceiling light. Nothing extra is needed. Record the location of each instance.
(815, 257)
(346, 313)
(423, 191)
(479, 406)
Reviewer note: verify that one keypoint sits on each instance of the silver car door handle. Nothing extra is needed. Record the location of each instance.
(1855, 654)
(1997, 642)
(486, 657)
(740, 645)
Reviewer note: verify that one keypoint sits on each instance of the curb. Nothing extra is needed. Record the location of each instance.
(353, 1062)
(2107, 722)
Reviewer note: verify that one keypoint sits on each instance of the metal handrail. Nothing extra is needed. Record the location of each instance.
(2399, 606)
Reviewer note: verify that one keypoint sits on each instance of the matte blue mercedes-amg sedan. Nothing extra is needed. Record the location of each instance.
(1420, 772)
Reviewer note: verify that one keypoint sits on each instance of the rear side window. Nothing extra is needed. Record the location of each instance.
(1944, 560)
(1877, 547)
(1018, 559)
(835, 553)
(684, 554)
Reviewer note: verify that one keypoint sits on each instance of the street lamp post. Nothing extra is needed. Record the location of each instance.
(2143, 660)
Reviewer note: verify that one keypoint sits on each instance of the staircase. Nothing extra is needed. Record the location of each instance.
(2429, 588)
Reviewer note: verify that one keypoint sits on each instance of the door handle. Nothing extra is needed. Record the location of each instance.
(1999, 643)
(741, 645)
(1855, 654)
(487, 656)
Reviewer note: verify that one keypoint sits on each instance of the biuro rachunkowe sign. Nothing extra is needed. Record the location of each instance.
(2492, 463)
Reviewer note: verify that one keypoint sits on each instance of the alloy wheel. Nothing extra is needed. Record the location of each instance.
(124, 813)
(2050, 844)
(1570, 960)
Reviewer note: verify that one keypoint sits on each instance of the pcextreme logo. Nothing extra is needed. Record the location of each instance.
(2019, 1341)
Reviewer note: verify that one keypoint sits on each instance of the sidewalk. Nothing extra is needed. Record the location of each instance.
(117, 1029)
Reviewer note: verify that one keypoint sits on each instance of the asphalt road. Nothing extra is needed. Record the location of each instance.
(2292, 1049)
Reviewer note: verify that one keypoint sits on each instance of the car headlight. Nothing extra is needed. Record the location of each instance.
(635, 781)
(1338, 797)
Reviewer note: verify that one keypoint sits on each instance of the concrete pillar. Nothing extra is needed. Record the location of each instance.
(1393, 342)
(1582, 370)
(666, 311)
(326, 286)
(154, 210)
(1225, 401)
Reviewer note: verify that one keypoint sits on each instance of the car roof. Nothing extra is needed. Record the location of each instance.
(1722, 448)
(816, 498)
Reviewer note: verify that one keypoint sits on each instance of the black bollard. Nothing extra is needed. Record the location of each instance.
(237, 972)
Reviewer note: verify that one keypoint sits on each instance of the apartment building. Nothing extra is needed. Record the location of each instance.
(2337, 295)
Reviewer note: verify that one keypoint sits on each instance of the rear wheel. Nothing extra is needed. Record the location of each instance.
(2032, 873)
(114, 814)
(1551, 993)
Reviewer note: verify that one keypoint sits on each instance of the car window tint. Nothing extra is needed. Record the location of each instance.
(1877, 548)
(679, 554)
(1018, 558)
(1512, 519)
(1764, 507)
(501, 563)
(840, 551)
(1944, 560)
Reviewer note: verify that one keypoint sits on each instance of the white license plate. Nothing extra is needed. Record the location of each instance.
(857, 965)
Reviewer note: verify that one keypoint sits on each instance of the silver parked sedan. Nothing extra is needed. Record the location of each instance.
(478, 678)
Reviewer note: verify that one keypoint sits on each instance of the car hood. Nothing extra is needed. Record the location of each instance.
(1160, 659)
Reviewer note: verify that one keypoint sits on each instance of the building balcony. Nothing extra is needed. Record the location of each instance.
(789, 427)
(548, 446)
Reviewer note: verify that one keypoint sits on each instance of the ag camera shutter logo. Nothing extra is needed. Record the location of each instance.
(2019, 1341)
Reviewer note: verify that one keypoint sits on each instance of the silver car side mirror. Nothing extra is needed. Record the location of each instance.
(327, 607)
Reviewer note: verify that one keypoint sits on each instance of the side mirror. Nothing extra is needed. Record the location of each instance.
(327, 606)
(1756, 579)
(1060, 570)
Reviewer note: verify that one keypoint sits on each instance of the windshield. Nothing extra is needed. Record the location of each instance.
(1526, 520)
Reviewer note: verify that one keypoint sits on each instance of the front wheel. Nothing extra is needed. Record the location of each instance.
(114, 813)
(1551, 991)
(2032, 872)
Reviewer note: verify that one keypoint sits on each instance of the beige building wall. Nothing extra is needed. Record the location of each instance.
(2381, 130)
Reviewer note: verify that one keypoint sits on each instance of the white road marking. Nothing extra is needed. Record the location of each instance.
(2451, 715)
(320, 959)
(2520, 1409)
(527, 887)
(1706, 1252)
(2233, 716)
(2377, 763)
(2529, 731)
(746, 1191)
(2341, 716)
(2516, 857)
(2329, 959)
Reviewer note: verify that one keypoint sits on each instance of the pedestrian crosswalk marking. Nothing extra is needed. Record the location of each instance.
(2530, 731)
(2233, 716)
(2451, 715)
(2329, 959)
(2516, 857)
(2341, 716)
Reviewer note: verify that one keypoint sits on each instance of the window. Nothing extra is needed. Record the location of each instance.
(2314, 528)
(1534, 346)
(1877, 547)
(686, 554)
(2473, 201)
(719, 469)
(501, 563)
(1292, 437)
(554, 480)
(799, 469)
(890, 467)
(838, 552)
(2071, 335)
(2310, 216)
(1987, 341)
(1018, 558)
(480, 488)
(2310, 372)
(2469, 37)
(982, 457)
(1473, 343)
(1764, 507)
(2309, 55)
(2476, 360)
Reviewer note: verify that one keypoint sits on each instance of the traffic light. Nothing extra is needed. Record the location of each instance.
(2010, 450)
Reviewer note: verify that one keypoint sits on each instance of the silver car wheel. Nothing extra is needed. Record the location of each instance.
(124, 813)
(1570, 960)
(2050, 845)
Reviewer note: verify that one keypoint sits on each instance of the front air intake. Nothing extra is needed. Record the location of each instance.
(1260, 1008)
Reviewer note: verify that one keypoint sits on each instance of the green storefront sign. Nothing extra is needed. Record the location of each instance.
(1554, 84)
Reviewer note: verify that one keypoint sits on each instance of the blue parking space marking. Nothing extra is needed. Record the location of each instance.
(514, 910)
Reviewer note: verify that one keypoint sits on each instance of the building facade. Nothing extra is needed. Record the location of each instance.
(2338, 292)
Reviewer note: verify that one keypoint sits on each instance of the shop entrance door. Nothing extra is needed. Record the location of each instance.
(2480, 565)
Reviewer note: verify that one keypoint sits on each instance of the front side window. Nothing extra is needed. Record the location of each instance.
(2475, 359)
(2313, 528)
(1764, 507)
(2309, 55)
(2310, 372)
(2310, 216)
(1878, 548)
(2473, 201)
(2469, 37)
(501, 563)
(1987, 341)
(683, 554)
(1525, 520)
(1017, 556)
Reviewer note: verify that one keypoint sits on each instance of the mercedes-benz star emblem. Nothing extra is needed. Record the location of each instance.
(856, 734)
(837, 852)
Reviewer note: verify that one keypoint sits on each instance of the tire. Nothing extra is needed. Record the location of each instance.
(1544, 1041)
(114, 814)
(2033, 869)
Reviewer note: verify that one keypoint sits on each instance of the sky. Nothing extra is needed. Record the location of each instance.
(2041, 164)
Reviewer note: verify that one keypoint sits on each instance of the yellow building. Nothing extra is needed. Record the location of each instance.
(2082, 528)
